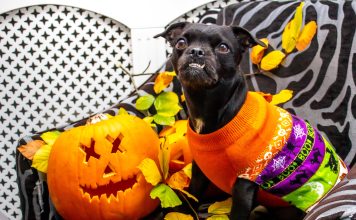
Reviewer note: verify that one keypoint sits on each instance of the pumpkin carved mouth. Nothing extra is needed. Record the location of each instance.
(110, 188)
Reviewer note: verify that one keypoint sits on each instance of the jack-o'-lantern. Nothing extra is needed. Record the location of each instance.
(93, 174)
(180, 154)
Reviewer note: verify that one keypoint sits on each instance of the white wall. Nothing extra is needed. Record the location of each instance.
(145, 18)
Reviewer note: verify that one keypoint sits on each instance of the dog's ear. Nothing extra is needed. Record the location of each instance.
(173, 31)
(246, 39)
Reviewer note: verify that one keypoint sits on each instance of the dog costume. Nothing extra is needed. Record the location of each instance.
(283, 154)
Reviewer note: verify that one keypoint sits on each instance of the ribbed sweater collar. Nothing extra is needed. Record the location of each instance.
(245, 120)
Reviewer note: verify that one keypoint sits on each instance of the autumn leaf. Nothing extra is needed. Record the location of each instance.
(40, 159)
(223, 207)
(164, 157)
(28, 150)
(218, 217)
(144, 102)
(267, 96)
(292, 30)
(175, 132)
(163, 120)
(188, 170)
(50, 137)
(272, 60)
(257, 52)
(122, 111)
(178, 216)
(167, 196)
(150, 171)
(163, 80)
(282, 97)
(182, 98)
(306, 35)
(167, 104)
(178, 180)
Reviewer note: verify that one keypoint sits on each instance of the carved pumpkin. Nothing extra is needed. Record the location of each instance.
(93, 174)
(180, 154)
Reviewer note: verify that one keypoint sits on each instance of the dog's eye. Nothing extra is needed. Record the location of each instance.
(181, 44)
(223, 48)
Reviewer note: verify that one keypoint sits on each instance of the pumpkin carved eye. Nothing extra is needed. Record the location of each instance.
(89, 151)
(116, 143)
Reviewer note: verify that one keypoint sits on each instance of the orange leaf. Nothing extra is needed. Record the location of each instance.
(258, 51)
(30, 148)
(306, 36)
(267, 96)
(162, 81)
(272, 60)
(178, 180)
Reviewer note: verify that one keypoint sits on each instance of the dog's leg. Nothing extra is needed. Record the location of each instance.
(244, 195)
(199, 182)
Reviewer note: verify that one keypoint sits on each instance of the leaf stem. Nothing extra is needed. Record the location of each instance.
(190, 206)
(130, 75)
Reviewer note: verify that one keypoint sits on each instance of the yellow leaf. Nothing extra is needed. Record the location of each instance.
(150, 171)
(272, 60)
(306, 35)
(282, 97)
(292, 30)
(28, 150)
(188, 170)
(162, 81)
(50, 137)
(175, 132)
(164, 157)
(40, 159)
(177, 216)
(258, 51)
(223, 207)
(218, 217)
(122, 111)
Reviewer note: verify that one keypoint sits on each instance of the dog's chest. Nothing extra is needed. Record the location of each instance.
(285, 155)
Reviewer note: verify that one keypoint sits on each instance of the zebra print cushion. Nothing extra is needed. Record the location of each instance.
(323, 77)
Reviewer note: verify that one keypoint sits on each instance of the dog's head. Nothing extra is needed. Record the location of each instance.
(206, 55)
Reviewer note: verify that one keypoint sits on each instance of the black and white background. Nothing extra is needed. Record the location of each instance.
(59, 64)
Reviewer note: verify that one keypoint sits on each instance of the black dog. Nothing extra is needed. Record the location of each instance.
(206, 59)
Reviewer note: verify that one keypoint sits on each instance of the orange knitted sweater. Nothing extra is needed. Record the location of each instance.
(245, 145)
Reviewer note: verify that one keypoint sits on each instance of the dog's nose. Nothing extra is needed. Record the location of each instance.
(197, 52)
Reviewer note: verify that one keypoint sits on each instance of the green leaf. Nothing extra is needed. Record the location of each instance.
(150, 171)
(50, 137)
(163, 120)
(168, 197)
(144, 102)
(167, 104)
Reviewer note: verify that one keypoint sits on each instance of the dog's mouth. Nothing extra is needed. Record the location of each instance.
(197, 65)
(197, 73)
